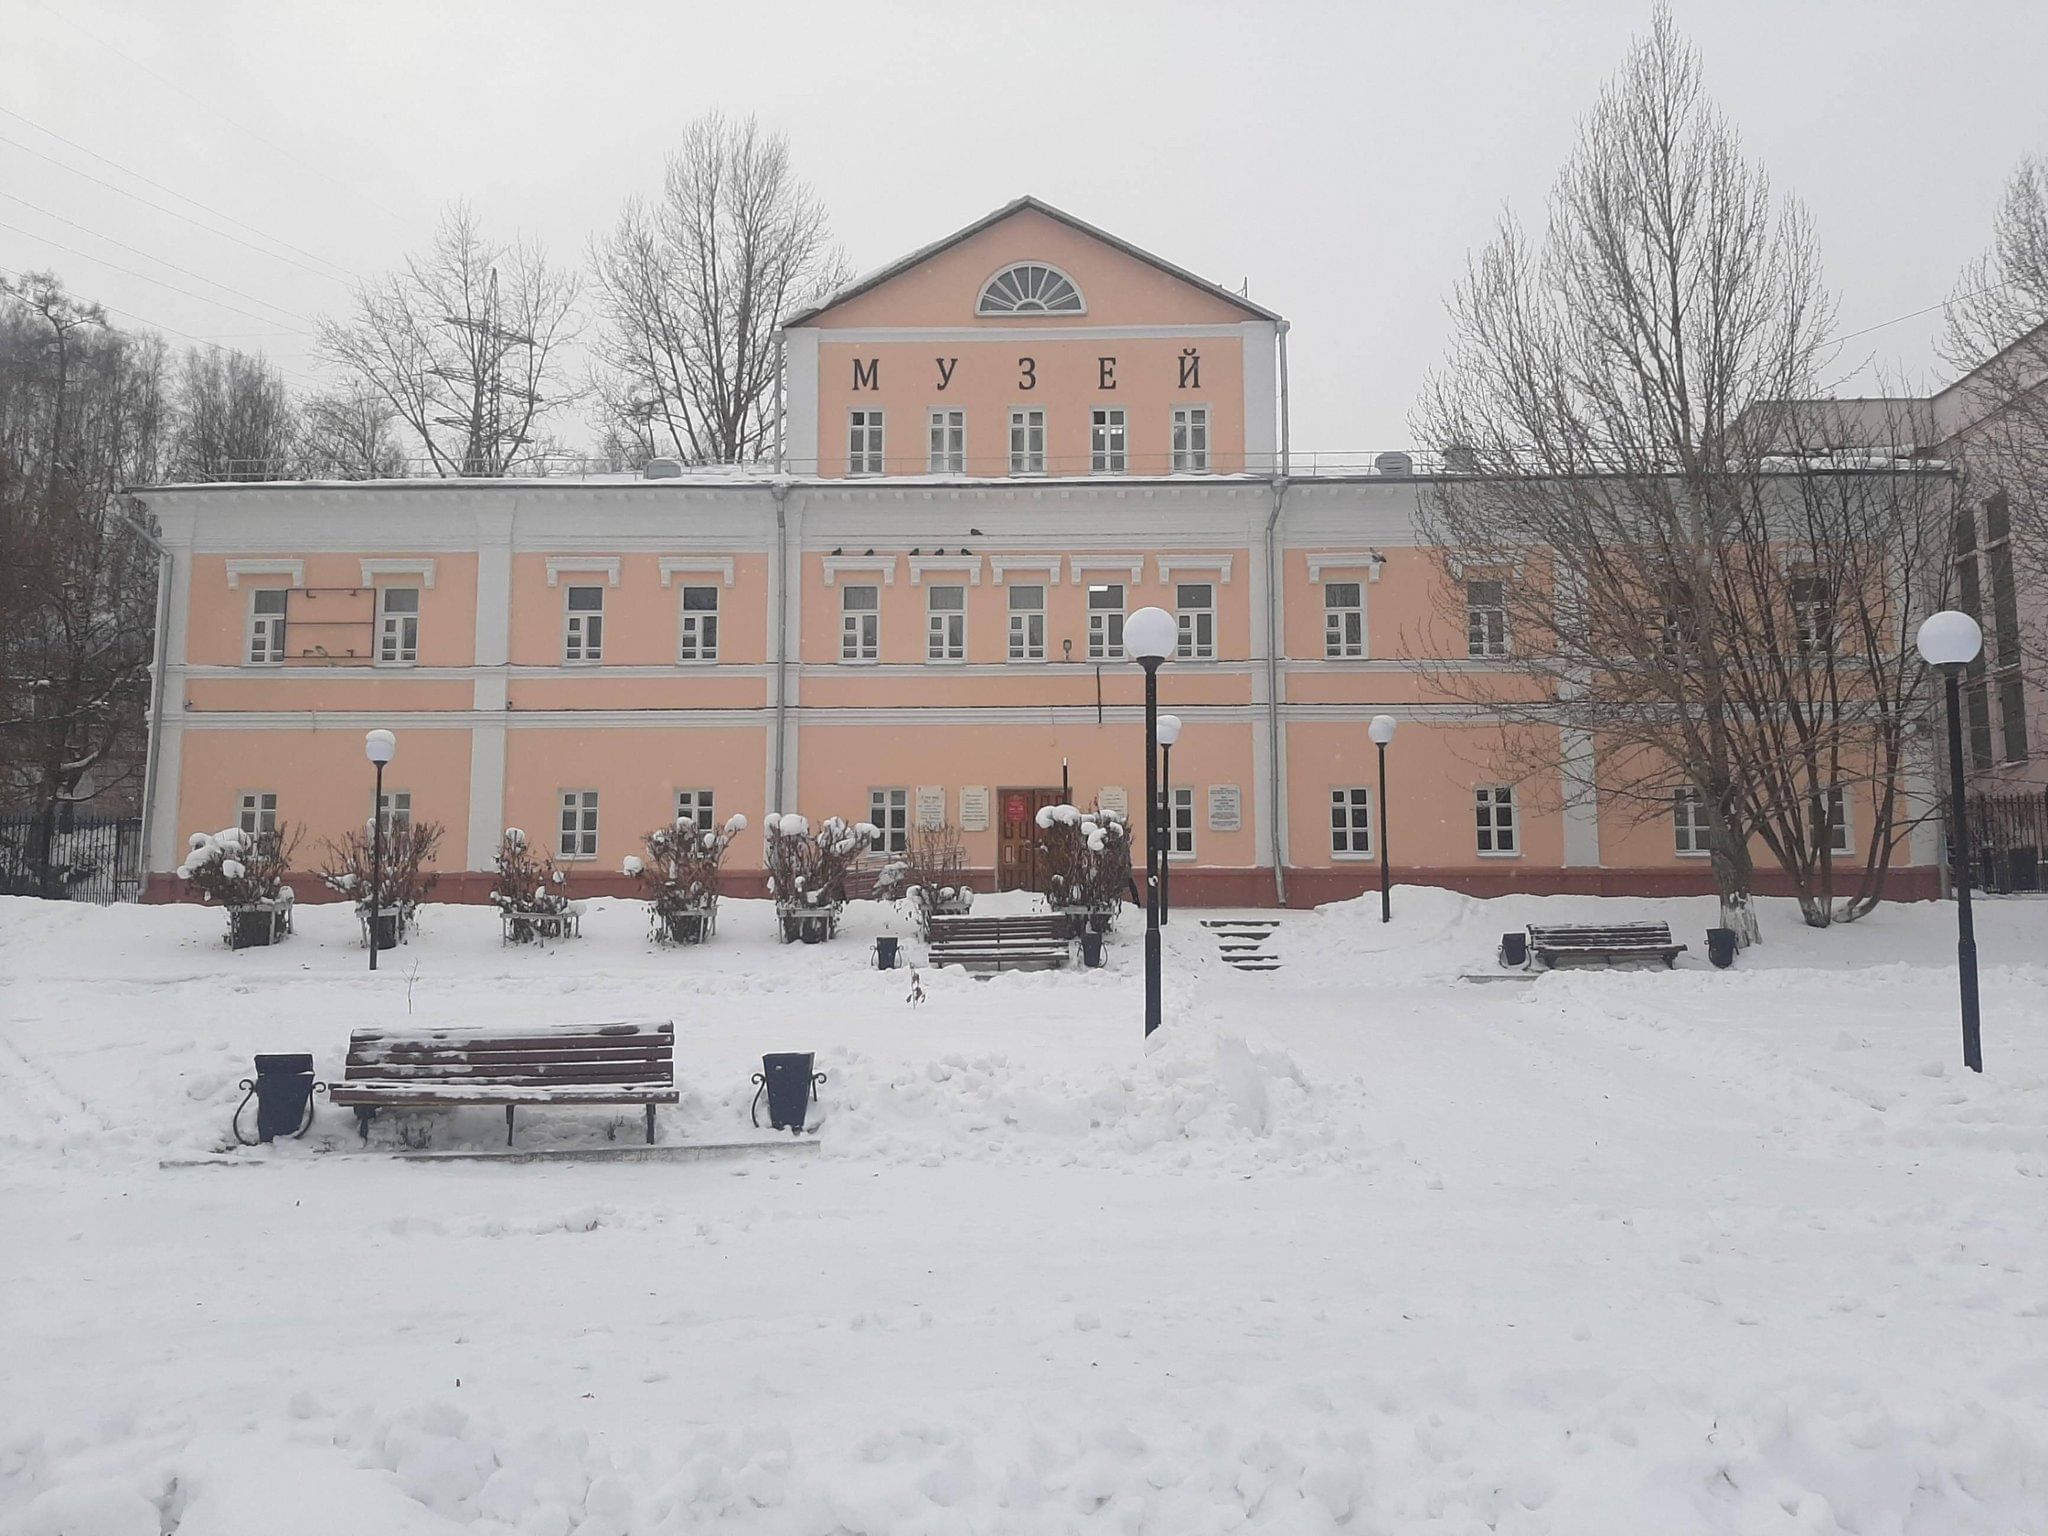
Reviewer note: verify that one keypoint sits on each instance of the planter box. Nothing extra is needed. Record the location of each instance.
(684, 928)
(391, 929)
(532, 927)
(809, 926)
(258, 925)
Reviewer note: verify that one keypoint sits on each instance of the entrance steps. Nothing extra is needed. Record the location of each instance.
(1246, 943)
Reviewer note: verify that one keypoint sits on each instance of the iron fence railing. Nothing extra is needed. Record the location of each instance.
(79, 856)
(2009, 839)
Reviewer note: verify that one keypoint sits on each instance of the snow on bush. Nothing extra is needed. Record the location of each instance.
(807, 870)
(1087, 857)
(680, 873)
(525, 880)
(233, 868)
(403, 882)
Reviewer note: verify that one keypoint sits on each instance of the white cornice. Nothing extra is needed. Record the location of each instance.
(1130, 565)
(883, 566)
(422, 568)
(951, 565)
(1368, 560)
(1000, 566)
(296, 569)
(606, 566)
(676, 565)
(1220, 564)
(1003, 335)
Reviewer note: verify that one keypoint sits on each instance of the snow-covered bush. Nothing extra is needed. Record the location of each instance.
(527, 883)
(233, 868)
(807, 869)
(934, 877)
(680, 873)
(404, 879)
(1087, 857)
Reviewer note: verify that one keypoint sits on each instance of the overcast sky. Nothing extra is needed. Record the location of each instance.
(1343, 158)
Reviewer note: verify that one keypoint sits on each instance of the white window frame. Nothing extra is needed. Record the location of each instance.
(1841, 827)
(1189, 440)
(1486, 624)
(698, 807)
(1102, 645)
(1347, 800)
(947, 449)
(577, 840)
(1190, 644)
(1180, 822)
(945, 629)
(581, 646)
(1813, 620)
(1109, 440)
(889, 811)
(392, 647)
(1022, 646)
(1692, 830)
(1339, 618)
(860, 629)
(1488, 801)
(256, 811)
(1030, 421)
(394, 810)
(268, 628)
(865, 452)
(696, 628)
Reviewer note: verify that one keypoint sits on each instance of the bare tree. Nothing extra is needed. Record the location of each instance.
(1634, 550)
(692, 287)
(235, 419)
(464, 344)
(348, 435)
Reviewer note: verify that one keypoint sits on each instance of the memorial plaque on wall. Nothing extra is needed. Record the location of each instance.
(1112, 798)
(1225, 808)
(974, 809)
(931, 807)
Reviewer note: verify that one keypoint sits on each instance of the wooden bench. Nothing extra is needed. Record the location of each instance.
(1002, 943)
(447, 1068)
(1573, 944)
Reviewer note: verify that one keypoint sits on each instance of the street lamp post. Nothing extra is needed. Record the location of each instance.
(379, 747)
(1951, 641)
(1381, 730)
(1169, 733)
(1149, 638)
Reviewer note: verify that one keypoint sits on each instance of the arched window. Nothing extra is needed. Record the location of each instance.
(1030, 288)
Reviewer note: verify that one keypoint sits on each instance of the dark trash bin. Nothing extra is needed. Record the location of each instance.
(283, 1090)
(387, 930)
(790, 1085)
(251, 928)
(885, 952)
(1514, 949)
(1721, 947)
(1091, 950)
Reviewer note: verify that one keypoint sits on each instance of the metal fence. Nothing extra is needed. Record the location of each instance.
(89, 857)
(2009, 838)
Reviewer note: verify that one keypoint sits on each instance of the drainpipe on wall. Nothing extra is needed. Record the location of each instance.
(1273, 577)
(779, 489)
(151, 748)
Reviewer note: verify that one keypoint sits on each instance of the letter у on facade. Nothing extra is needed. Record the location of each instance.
(928, 622)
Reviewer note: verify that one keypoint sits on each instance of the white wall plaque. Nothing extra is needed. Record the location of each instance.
(974, 809)
(931, 807)
(1225, 808)
(1111, 797)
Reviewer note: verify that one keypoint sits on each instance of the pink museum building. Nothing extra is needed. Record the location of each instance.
(993, 451)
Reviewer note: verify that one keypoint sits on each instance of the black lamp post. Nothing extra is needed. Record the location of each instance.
(1149, 638)
(379, 747)
(1951, 641)
(1382, 731)
(1169, 733)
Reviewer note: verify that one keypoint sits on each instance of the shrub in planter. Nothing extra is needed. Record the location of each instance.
(934, 876)
(405, 882)
(680, 877)
(529, 891)
(807, 871)
(243, 873)
(1087, 859)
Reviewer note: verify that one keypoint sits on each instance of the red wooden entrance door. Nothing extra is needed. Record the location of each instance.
(1017, 857)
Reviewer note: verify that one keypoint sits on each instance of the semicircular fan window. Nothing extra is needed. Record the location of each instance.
(1030, 288)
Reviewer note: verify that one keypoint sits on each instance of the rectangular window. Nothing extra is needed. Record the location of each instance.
(1180, 822)
(945, 623)
(889, 810)
(1678, 622)
(266, 625)
(864, 442)
(395, 811)
(1841, 836)
(579, 825)
(1106, 622)
(693, 807)
(1190, 439)
(697, 630)
(1106, 454)
(1350, 823)
(1691, 834)
(949, 443)
(1813, 615)
(1027, 622)
(259, 812)
(1486, 619)
(1343, 620)
(1027, 442)
(2004, 640)
(1195, 606)
(860, 623)
(1493, 808)
(1977, 716)
(583, 624)
(398, 625)
(2012, 713)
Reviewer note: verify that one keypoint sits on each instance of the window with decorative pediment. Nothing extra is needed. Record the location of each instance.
(1030, 288)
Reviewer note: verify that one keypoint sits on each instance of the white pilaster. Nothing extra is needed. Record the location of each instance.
(167, 746)
(490, 693)
(1261, 397)
(801, 362)
(1581, 801)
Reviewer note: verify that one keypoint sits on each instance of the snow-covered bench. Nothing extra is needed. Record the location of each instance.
(1002, 943)
(447, 1068)
(1609, 944)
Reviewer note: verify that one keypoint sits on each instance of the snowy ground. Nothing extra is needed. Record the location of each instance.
(1355, 1246)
